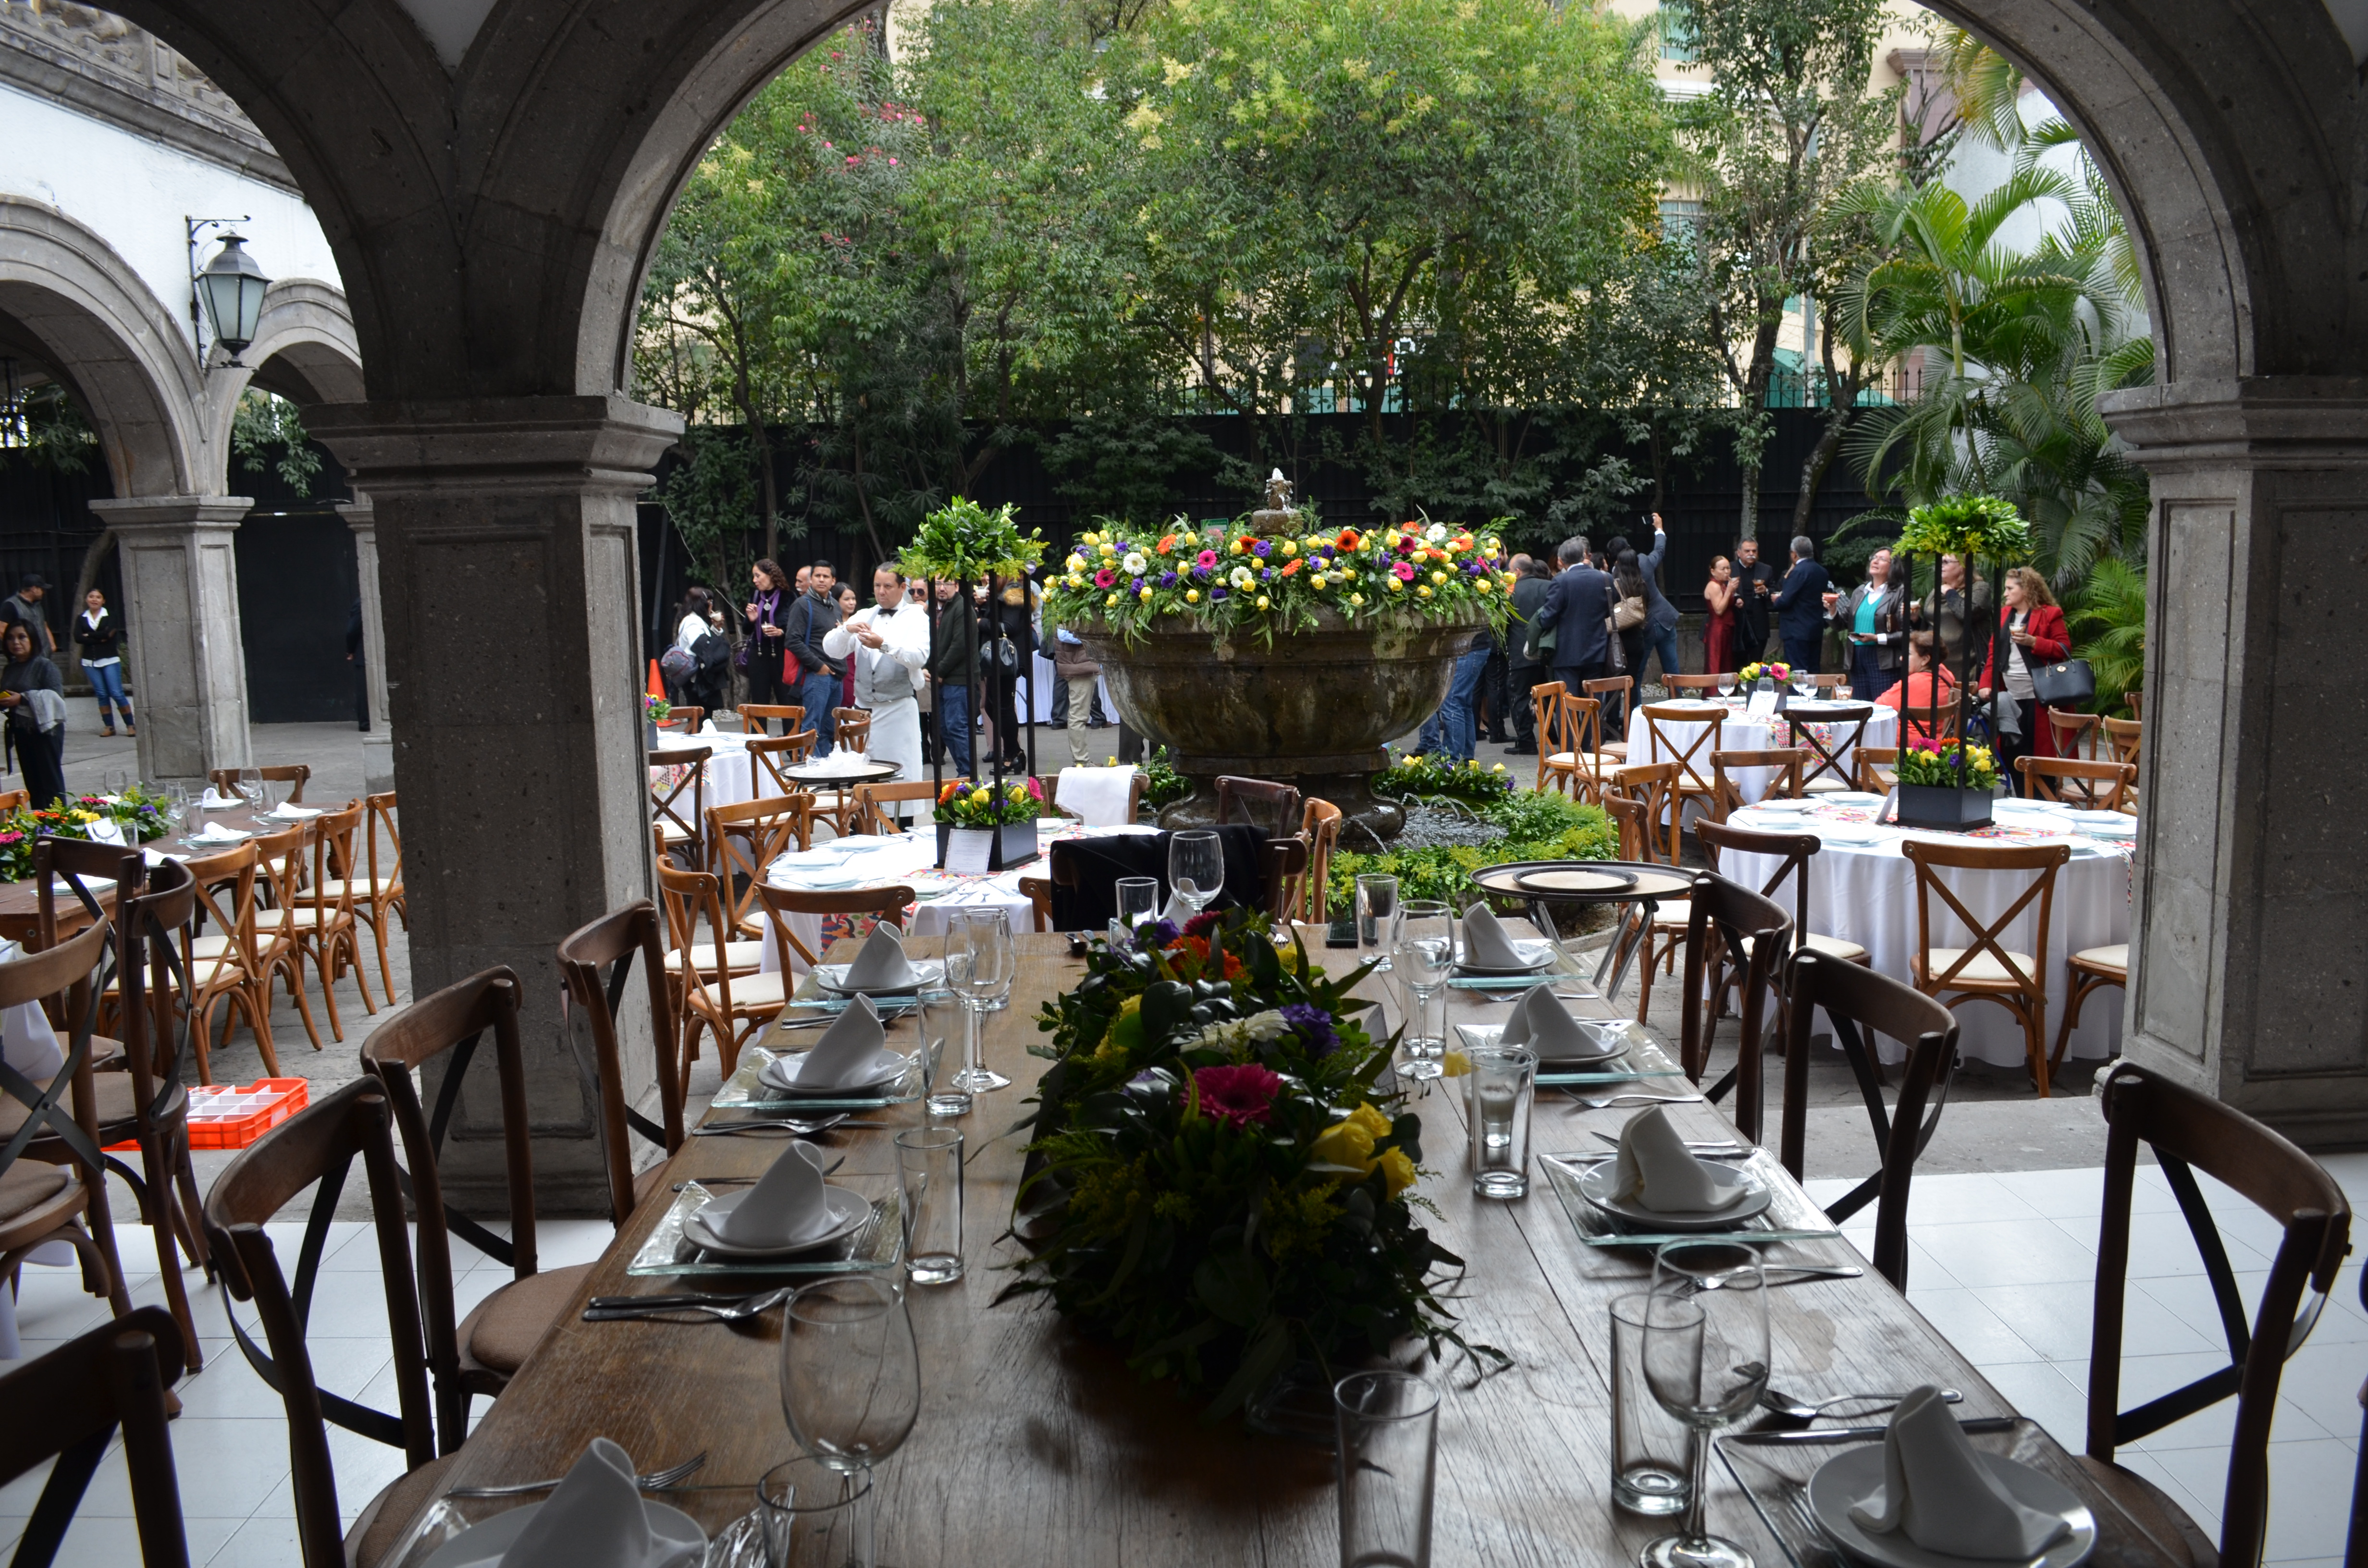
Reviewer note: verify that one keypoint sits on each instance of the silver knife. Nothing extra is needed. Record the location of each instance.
(1974, 1426)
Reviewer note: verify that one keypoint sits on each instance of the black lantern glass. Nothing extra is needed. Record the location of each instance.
(231, 287)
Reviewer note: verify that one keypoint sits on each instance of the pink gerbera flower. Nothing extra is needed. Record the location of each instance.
(1402, 571)
(1106, 577)
(1208, 560)
(1239, 1095)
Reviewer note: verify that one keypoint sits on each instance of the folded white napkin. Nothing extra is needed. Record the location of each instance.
(214, 800)
(1657, 1171)
(595, 1519)
(1177, 912)
(845, 1054)
(216, 832)
(1486, 943)
(785, 1207)
(881, 964)
(1540, 1022)
(1937, 1489)
(290, 812)
(1098, 795)
(709, 728)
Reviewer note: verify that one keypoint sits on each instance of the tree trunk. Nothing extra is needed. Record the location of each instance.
(767, 500)
(1814, 467)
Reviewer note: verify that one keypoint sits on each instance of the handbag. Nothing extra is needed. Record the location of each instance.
(1615, 655)
(1628, 614)
(2066, 685)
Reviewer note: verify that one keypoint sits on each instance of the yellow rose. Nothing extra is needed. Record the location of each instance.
(1111, 602)
(1145, 595)
(1482, 583)
(1356, 599)
(1291, 547)
(1397, 1170)
(1423, 590)
(1077, 562)
(1439, 577)
(1192, 596)
(1262, 601)
(1108, 548)
(1238, 547)
(1349, 1144)
(1395, 587)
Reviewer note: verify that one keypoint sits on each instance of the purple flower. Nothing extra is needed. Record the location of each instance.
(1138, 584)
(1262, 548)
(1167, 579)
(1216, 593)
(1264, 572)
(1314, 1026)
(1158, 934)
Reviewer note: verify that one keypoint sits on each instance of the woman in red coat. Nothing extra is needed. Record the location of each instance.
(2031, 633)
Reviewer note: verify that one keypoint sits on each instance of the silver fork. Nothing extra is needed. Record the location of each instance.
(1606, 1102)
(656, 1481)
(800, 1125)
(719, 1311)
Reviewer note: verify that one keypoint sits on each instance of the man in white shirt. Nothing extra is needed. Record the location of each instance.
(889, 641)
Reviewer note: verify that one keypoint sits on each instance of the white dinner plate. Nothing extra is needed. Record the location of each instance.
(832, 977)
(1538, 954)
(1849, 836)
(1842, 1479)
(1854, 798)
(1780, 807)
(2104, 822)
(848, 1210)
(677, 1541)
(884, 1068)
(1595, 1185)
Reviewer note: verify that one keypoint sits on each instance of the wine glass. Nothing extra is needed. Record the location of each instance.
(1726, 684)
(1426, 954)
(984, 937)
(250, 785)
(1706, 1363)
(1196, 866)
(850, 1371)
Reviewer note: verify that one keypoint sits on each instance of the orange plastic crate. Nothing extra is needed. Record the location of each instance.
(229, 1116)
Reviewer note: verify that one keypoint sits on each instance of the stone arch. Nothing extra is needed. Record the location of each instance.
(122, 353)
(304, 349)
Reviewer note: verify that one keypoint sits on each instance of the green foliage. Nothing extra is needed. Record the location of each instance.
(977, 803)
(268, 428)
(964, 542)
(712, 497)
(1418, 776)
(1982, 529)
(2107, 627)
(1949, 767)
(1536, 827)
(48, 426)
(1163, 785)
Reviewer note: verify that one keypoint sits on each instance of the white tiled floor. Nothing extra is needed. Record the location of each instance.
(2005, 1265)
(2002, 1264)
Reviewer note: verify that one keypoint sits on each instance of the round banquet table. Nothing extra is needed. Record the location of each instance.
(868, 861)
(731, 771)
(1866, 892)
(1739, 733)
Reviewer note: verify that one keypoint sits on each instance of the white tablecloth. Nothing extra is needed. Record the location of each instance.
(1739, 733)
(1866, 893)
(731, 771)
(909, 857)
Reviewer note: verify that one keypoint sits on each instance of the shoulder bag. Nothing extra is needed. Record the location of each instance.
(1615, 657)
(2069, 684)
(1629, 614)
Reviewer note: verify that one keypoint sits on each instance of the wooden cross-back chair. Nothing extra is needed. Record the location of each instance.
(710, 996)
(2075, 734)
(1934, 726)
(1727, 793)
(1694, 780)
(1039, 902)
(278, 948)
(2136, 701)
(769, 756)
(1319, 829)
(1828, 771)
(742, 841)
(595, 963)
(1725, 918)
(887, 903)
(1270, 806)
(1792, 851)
(53, 1171)
(68, 894)
(2086, 970)
(871, 800)
(1694, 683)
(679, 819)
(1546, 705)
(2187, 1132)
(223, 966)
(1613, 692)
(1638, 796)
(377, 892)
(322, 923)
(295, 774)
(2093, 786)
(1833, 682)
(115, 1376)
(1985, 968)
(1580, 757)
(1876, 769)
(2124, 738)
(319, 1144)
(1861, 1004)
(851, 727)
(1286, 864)
(10, 800)
(479, 1354)
(756, 716)
(684, 717)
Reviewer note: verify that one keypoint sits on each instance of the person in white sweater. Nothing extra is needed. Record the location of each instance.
(889, 641)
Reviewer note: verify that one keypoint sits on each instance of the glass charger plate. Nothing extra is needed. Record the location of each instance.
(1775, 1477)
(877, 1245)
(1642, 1058)
(1790, 1217)
(744, 1091)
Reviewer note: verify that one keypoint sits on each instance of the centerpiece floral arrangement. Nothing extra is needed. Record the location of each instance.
(1216, 1182)
(962, 541)
(140, 811)
(655, 708)
(1749, 673)
(1981, 527)
(965, 804)
(1951, 767)
(1227, 577)
(1437, 774)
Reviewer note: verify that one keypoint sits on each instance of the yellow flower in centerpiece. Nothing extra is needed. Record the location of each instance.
(1239, 546)
(1106, 547)
(1454, 1065)
(1397, 1170)
(1439, 577)
(1261, 602)
(1422, 590)
(1481, 585)
(1145, 595)
(1192, 596)
(1394, 584)
(1356, 600)
(1350, 1141)
(1111, 602)
(1291, 547)
(1077, 562)
(1075, 581)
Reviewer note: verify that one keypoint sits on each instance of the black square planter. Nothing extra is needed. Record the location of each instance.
(1938, 806)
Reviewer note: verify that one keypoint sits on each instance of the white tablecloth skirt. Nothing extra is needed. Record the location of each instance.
(1868, 896)
(1738, 734)
(731, 772)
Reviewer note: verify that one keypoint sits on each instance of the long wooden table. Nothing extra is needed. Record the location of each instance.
(1036, 1446)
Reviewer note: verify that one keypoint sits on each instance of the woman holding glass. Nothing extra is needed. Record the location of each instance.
(1718, 622)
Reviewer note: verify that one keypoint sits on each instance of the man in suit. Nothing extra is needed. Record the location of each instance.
(1756, 582)
(1577, 606)
(1801, 607)
(1529, 597)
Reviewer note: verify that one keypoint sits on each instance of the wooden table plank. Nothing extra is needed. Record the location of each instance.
(1037, 1445)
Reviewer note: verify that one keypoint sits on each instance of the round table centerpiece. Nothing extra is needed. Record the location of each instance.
(1275, 648)
(1214, 1181)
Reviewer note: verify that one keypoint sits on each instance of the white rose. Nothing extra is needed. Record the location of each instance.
(1135, 565)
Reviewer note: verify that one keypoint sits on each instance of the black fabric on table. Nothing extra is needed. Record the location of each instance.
(1100, 862)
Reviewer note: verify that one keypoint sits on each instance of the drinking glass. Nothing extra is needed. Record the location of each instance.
(1503, 1082)
(985, 937)
(1388, 1452)
(850, 1371)
(1706, 1362)
(1138, 901)
(929, 1189)
(1377, 914)
(945, 1034)
(177, 807)
(1196, 866)
(1426, 954)
(250, 785)
(815, 1516)
(1648, 1447)
(1727, 684)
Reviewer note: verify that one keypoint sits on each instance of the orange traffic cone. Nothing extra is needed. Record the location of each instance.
(657, 683)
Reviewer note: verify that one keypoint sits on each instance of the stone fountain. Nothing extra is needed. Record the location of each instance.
(1312, 710)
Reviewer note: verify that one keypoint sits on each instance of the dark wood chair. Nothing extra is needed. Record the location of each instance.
(1286, 867)
(678, 819)
(1828, 772)
(2187, 1132)
(1986, 968)
(596, 963)
(80, 864)
(295, 775)
(320, 1144)
(1039, 902)
(2091, 786)
(1794, 850)
(479, 1355)
(115, 1376)
(1269, 807)
(1613, 692)
(1862, 1003)
(1726, 795)
(1724, 918)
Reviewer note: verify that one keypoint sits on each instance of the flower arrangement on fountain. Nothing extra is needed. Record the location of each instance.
(1952, 766)
(1422, 777)
(1217, 1183)
(1749, 673)
(1230, 576)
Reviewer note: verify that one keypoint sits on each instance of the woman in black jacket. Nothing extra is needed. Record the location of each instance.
(1011, 616)
(37, 748)
(100, 637)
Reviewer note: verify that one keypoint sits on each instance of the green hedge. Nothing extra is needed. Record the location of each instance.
(1536, 827)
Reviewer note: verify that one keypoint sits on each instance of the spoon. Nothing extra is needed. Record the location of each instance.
(1786, 1406)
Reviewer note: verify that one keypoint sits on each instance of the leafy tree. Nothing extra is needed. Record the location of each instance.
(267, 428)
(45, 423)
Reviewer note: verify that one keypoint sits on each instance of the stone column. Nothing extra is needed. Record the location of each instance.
(508, 582)
(183, 654)
(2249, 917)
(378, 744)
